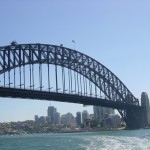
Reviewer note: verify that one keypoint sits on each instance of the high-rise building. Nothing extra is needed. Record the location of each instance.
(49, 119)
(67, 119)
(78, 118)
(56, 118)
(36, 118)
(108, 110)
(91, 116)
(145, 103)
(50, 112)
(64, 120)
(115, 120)
(85, 115)
(112, 120)
(42, 120)
(99, 112)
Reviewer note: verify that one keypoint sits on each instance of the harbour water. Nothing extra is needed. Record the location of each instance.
(103, 140)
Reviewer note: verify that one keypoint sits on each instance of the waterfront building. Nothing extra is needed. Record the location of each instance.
(64, 119)
(56, 118)
(91, 116)
(115, 120)
(78, 118)
(146, 111)
(99, 112)
(68, 119)
(42, 120)
(50, 112)
(36, 118)
(112, 121)
(85, 115)
(49, 119)
(109, 110)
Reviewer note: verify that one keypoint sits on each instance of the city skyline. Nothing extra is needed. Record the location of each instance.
(54, 117)
(114, 33)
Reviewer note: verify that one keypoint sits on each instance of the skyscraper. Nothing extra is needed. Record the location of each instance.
(99, 112)
(85, 115)
(56, 118)
(78, 118)
(50, 112)
(36, 118)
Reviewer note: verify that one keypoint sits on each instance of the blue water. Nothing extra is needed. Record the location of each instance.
(104, 140)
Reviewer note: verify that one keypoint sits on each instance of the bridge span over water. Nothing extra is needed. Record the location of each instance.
(50, 72)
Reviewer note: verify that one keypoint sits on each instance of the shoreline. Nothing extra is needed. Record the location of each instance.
(75, 131)
(68, 131)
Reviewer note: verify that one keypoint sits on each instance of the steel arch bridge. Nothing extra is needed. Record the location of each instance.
(83, 73)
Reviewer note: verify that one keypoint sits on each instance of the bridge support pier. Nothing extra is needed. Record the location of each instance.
(134, 118)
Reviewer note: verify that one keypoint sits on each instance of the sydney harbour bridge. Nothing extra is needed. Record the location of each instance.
(50, 72)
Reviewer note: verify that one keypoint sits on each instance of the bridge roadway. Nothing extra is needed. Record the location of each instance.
(64, 97)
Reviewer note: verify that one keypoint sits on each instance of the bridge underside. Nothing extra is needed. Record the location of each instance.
(133, 116)
(61, 97)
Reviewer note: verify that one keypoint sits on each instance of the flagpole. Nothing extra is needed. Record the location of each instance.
(73, 43)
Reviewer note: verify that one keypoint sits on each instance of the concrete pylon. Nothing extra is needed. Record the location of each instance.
(145, 104)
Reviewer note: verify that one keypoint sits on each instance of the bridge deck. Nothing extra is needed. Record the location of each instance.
(63, 97)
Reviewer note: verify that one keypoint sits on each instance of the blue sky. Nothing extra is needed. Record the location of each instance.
(114, 32)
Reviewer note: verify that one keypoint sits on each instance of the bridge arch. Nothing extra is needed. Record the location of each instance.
(17, 55)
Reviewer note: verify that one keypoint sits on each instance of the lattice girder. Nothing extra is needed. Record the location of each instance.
(23, 54)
